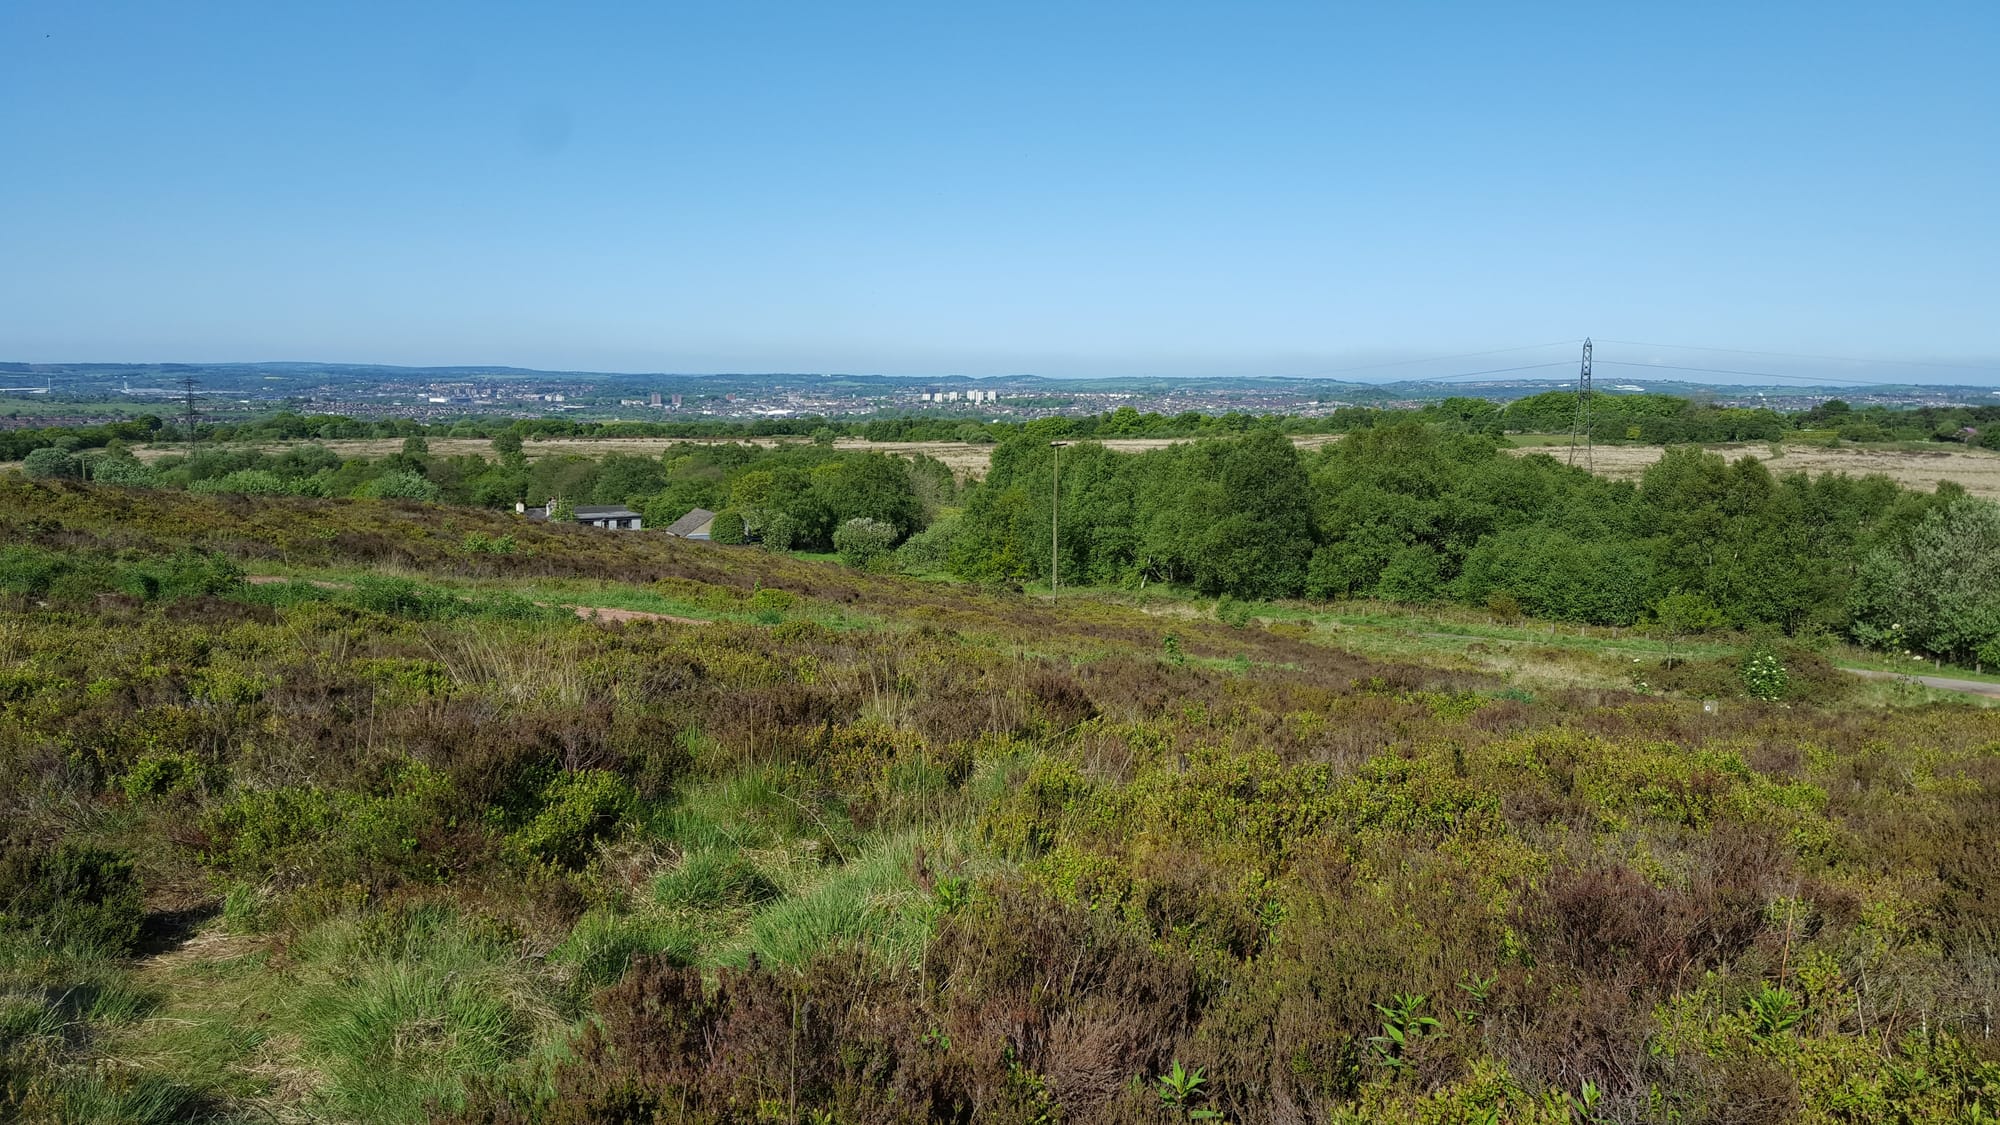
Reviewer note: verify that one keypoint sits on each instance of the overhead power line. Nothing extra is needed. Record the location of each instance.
(1494, 371)
(1812, 380)
(1441, 359)
(1821, 358)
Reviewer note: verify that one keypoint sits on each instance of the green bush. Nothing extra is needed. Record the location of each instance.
(1764, 675)
(50, 463)
(577, 810)
(336, 834)
(929, 550)
(74, 895)
(860, 540)
(727, 527)
(122, 470)
(247, 482)
(162, 774)
(401, 485)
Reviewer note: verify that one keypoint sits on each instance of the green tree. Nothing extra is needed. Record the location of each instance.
(50, 463)
(1938, 583)
(728, 527)
(1680, 615)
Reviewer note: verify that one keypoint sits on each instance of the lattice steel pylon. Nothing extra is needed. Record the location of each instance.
(1581, 425)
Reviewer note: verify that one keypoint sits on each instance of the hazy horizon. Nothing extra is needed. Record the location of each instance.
(1173, 191)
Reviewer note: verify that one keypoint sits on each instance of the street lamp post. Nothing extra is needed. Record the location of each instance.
(1055, 512)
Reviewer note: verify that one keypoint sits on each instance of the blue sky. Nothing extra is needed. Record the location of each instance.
(1062, 189)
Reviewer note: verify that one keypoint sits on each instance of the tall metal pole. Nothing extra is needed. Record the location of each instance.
(1055, 515)
(188, 384)
(1581, 424)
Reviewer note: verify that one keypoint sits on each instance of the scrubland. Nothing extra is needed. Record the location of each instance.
(402, 838)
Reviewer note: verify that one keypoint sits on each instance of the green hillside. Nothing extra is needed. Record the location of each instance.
(343, 811)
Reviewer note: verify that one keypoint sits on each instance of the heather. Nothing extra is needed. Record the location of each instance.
(393, 834)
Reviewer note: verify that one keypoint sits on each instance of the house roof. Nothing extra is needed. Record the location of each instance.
(605, 512)
(688, 524)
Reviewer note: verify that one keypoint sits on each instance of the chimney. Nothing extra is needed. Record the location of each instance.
(520, 508)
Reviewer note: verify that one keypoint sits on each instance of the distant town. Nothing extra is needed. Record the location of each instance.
(58, 394)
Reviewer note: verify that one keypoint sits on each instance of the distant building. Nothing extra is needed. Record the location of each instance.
(695, 525)
(612, 518)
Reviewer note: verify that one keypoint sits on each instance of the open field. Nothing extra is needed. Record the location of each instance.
(1977, 470)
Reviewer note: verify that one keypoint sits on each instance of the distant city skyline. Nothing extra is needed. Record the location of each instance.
(1071, 191)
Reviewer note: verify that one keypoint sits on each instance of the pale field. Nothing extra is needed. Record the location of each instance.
(1978, 470)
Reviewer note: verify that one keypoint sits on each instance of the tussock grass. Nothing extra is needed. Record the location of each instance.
(397, 1010)
(605, 941)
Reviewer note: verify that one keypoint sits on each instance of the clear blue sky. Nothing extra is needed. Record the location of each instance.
(1064, 189)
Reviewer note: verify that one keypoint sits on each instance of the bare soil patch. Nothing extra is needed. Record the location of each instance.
(606, 615)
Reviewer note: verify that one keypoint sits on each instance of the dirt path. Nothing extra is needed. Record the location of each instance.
(591, 613)
(1941, 683)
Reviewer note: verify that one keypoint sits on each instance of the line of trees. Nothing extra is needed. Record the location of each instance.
(1418, 514)
(1645, 418)
(794, 497)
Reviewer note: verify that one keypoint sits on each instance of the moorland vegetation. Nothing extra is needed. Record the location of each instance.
(391, 834)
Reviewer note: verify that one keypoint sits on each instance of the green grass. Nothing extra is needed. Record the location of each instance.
(872, 901)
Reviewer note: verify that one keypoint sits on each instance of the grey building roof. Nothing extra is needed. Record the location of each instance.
(602, 512)
(691, 522)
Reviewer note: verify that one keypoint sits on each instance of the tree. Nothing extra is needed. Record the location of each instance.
(1680, 615)
(122, 469)
(50, 463)
(1937, 584)
(416, 445)
(728, 527)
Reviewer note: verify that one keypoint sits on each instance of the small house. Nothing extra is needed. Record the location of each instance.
(695, 525)
(613, 517)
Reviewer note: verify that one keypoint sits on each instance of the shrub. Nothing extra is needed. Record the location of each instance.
(929, 550)
(577, 810)
(728, 527)
(1764, 675)
(861, 539)
(405, 485)
(247, 482)
(74, 895)
(50, 463)
(165, 774)
(122, 470)
(781, 530)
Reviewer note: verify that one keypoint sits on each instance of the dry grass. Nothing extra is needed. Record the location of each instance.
(1977, 470)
